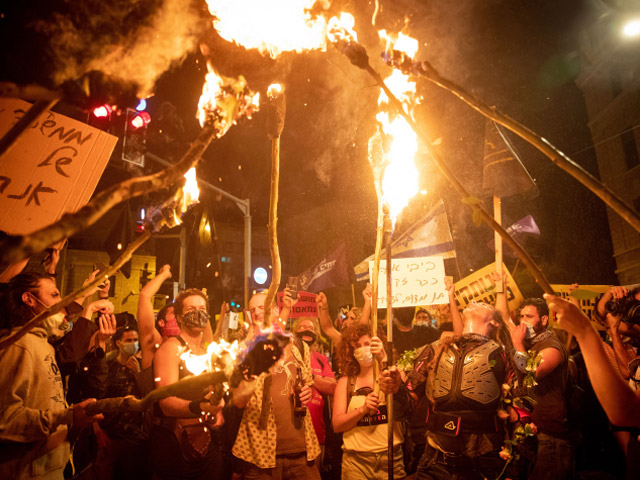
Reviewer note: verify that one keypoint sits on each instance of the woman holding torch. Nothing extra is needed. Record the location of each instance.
(361, 412)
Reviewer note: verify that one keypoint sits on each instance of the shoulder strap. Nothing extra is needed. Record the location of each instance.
(351, 388)
(181, 340)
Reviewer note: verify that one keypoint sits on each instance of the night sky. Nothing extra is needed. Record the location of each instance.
(521, 57)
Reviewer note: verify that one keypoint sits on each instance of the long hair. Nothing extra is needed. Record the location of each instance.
(346, 360)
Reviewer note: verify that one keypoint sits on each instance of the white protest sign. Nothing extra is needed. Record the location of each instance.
(415, 281)
(53, 168)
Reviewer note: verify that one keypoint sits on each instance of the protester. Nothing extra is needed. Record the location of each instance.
(620, 402)
(464, 435)
(324, 383)
(361, 412)
(276, 440)
(34, 418)
(122, 436)
(532, 337)
(183, 445)
(354, 315)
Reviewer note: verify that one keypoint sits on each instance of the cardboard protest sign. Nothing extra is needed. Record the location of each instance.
(305, 307)
(479, 287)
(53, 168)
(587, 305)
(416, 281)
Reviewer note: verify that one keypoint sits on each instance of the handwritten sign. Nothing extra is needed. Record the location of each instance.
(586, 305)
(53, 168)
(480, 287)
(415, 281)
(305, 307)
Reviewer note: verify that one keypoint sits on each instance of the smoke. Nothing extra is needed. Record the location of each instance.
(134, 41)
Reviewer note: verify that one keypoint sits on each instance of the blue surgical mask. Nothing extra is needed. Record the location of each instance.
(130, 348)
(531, 332)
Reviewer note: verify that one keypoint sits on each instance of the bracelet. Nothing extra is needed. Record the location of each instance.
(194, 407)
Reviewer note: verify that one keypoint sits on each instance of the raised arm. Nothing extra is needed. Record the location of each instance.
(618, 400)
(366, 308)
(149, 335)
(456, 318)
(325, 320)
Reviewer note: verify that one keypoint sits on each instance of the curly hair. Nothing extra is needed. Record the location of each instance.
(178, 304)
(346, 360)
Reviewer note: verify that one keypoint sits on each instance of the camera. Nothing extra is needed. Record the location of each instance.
(628, 307)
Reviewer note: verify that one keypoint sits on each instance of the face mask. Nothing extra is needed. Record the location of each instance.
(310, 337)
(363, 356)
(170, 329)
(530, 332)
(56, 326)
(195, 319)
(130, 349)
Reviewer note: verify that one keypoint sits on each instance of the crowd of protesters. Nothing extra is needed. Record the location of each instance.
(543, 392)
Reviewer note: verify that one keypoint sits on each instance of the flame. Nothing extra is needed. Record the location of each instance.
(190, 191)
(399, 180)
(224, 100)
(274, 90)
(212, 361)
(270, 27)
(280, 26)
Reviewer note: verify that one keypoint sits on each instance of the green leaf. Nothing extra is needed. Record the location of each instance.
(582, 294)
(471, 200)
(477, 217)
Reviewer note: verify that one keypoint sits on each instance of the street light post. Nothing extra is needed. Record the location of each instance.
(242, 204)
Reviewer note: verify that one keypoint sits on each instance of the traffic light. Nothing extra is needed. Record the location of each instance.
(135, 137)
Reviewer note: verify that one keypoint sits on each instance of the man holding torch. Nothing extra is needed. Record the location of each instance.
(183, 445)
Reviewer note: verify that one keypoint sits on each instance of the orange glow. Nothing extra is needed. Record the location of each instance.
(397, 166)
(190, 191)
(212, 361)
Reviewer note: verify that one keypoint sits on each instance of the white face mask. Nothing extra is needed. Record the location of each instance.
(363, 356)
(56, 326)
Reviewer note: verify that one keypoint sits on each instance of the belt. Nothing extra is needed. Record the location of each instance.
(292, 456)
(463, 462)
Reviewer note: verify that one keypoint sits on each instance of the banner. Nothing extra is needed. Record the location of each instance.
(53, 168)
(503, 174)
(521, 230)
(480, 287)
(427, 237)
(587, 305)
(305, 307)
(333, 270)
(415, 281)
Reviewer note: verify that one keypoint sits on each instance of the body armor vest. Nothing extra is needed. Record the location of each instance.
(468, 377)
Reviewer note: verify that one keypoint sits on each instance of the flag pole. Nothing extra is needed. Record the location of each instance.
(497, 216)
(353, 294)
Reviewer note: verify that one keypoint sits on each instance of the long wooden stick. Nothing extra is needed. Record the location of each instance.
(357, 55)
(561, 160)
(17, 247)
(475, 205)
(276, 109)
(189, 388)
(36, 110)
(388, 228)
(35, 321)
(497, 216)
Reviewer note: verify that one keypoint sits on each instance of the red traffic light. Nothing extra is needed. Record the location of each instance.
(142, 119)
(103, 111)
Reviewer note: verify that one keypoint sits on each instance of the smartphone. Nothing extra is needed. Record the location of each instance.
(292, 284)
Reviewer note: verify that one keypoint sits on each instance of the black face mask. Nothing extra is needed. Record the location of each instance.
(306, 333)
(195, 319)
